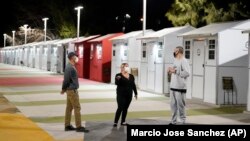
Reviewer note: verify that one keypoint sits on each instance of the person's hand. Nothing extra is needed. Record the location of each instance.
(118, 77)
(62, 92)
(136, 97)
(171, 70)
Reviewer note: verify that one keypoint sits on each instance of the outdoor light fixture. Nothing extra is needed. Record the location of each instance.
(144, 16)
(13, 36)
(4, 39)
(45, 27)
(78, 19)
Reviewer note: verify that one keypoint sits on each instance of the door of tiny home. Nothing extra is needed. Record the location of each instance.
(198, 69)
(96, 58)
(79, 66)
(120, 55)
(151, 67)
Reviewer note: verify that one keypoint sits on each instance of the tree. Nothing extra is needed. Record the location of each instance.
(186, 11)
(201, 12)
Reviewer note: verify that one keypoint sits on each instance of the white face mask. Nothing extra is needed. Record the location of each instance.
(76, 60)
(127, 69)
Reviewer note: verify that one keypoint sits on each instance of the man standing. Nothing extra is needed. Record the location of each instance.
(178, 85)
(70, 86)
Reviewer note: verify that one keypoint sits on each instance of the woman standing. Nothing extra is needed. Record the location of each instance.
(125, 86)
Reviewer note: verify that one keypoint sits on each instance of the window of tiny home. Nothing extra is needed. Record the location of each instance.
(211, 49)
(187, 47)
(144, 50)
(99, 51)
(114, 45)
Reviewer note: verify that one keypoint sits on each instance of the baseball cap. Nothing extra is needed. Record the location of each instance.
(71, 54)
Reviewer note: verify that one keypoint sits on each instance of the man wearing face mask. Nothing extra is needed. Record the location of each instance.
(70, 86)
(178, 85)
(125, 86)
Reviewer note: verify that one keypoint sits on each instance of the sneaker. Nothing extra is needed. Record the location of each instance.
(69, 128)
(115, 125)
(124, 124)
(82, 129)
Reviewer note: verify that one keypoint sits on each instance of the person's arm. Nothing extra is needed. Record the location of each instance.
(73, 77)
(118, 79)
(65, 83)
(134, 87)
(184, 70)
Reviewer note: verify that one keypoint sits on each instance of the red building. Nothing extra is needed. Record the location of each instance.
(100, 58)
(82, 48)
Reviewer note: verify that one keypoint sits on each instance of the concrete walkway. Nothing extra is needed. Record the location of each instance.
(42, 103)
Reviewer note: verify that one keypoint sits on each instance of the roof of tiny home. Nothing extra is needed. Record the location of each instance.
(130, 35)
(63, 41)
(99, 39)
(246, 31)
(86, 38)
(212, 29)
(163, 32)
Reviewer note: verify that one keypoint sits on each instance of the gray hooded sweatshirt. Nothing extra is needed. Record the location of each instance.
(179, 79)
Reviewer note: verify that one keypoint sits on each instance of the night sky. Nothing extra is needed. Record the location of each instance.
(98, 16)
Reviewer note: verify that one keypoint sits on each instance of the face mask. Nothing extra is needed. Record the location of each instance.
(126, 69)
(76, 60)
(174, 54)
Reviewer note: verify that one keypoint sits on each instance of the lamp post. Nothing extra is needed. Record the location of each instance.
(4, 39)
(25, 33)
(45, 27)
(13, 36)
(144, 16)
(78, 19)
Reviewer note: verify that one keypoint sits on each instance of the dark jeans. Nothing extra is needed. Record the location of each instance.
(123, 103)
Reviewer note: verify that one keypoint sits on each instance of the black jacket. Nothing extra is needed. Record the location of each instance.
(125, 86)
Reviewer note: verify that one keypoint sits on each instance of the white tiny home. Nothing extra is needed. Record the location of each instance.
(157, 56)
(247, 47)
(126, 49)
(218, 58)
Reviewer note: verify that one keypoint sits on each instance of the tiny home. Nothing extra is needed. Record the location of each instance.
(126, 49)
(100, 58)
(247, 47)
(82, 47)
(219, 62)
(157, 56)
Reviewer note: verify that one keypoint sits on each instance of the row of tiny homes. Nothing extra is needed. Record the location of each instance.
(216, 53)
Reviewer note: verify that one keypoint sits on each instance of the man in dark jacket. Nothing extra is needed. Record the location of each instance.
(70, 86)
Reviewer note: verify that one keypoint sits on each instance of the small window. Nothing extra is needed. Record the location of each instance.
(126, 52)
(144, 44)
(113, 52)
(160, 45)
(114, 45)
(211, 50)
(160, 54)
(187, 49)
(126, 44)
(144, 54)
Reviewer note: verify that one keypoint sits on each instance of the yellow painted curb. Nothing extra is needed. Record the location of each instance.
(16, 127)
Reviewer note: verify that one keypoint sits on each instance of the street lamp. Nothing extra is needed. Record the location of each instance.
(13, 36)
(45, 27)
(4, 39)
(144, 16)
(25, 33)
(78, 19)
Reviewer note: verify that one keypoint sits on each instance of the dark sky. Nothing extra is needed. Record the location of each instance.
(98, 15)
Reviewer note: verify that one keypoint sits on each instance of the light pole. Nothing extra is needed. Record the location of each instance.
(144, 16)
(45, 27)
(13, 36)
(78, 19)
(4, 39)
(25, 33)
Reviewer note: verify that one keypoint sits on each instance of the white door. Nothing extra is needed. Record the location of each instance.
(151, 68)
(198, 69)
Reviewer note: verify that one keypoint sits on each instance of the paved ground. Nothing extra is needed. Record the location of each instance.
(34, 94)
